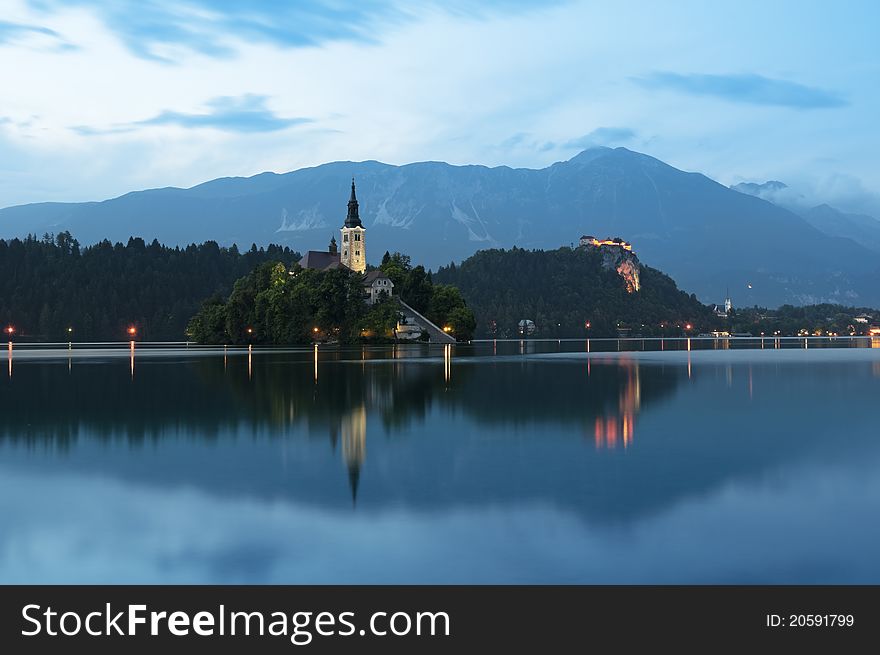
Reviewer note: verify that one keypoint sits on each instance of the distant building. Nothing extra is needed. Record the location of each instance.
(593, 242)
(377, 286)
(863, 318)
(527, 327)
(354, 246)
(725, 309)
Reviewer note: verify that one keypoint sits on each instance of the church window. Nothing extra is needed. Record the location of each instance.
(344, 238)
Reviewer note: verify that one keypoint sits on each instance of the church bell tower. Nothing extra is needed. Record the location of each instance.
(354, 247)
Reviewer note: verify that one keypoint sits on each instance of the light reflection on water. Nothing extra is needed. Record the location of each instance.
(500, 462)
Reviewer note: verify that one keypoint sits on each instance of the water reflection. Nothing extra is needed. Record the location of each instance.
(354, 445)
(388, 451)
(620, 425)
(208, 398)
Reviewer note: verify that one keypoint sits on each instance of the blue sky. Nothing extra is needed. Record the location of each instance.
(100, 97)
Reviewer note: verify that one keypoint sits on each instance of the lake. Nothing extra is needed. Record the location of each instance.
(498, 462)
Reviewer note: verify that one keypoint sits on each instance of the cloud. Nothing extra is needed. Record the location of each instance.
(843, 191)
(150, 28)
(144, 532)
(33, 35)
(601, 136)
(241, 114)
(515, 140)
(748, 89)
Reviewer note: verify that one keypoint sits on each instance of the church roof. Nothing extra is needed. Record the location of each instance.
(372, 276)
(353, 219)
(319, 259)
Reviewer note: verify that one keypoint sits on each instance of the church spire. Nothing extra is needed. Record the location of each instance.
(353, 219)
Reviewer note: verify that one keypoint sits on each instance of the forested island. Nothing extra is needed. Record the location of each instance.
(278, 304)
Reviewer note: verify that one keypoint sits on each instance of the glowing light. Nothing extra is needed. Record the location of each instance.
(69, 330)
(587, 325)
(10, 330)
(630, 274)
(617, 242)
(315, 329)
(688, 326)
(249, 330)
(447, 328)
(132, 330)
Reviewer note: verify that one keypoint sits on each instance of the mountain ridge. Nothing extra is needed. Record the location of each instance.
(706, 235)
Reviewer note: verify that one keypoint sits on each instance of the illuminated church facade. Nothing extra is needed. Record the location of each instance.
(351, 253)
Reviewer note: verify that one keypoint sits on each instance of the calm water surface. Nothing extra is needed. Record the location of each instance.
(503, 463)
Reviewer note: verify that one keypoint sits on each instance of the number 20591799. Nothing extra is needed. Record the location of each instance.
(810, 620)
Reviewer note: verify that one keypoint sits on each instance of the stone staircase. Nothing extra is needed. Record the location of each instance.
(435, 334)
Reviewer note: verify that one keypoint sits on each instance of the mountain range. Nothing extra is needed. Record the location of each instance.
(861, 228)
(708, 237)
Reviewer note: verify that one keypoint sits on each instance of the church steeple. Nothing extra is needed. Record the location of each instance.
(353, 232)
(353, 219)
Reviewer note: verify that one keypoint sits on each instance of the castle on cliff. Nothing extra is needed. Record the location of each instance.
(616, 242)
(617, 255)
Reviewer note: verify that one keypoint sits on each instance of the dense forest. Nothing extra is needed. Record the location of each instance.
(52, 289)
(51, 285)
(278, 304)
(568, 293)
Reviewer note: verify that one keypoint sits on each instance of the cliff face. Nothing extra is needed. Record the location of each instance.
(625, 263)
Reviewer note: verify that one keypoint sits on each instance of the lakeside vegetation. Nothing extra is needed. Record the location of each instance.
(815, 320)
(52, 284)
(568, 293)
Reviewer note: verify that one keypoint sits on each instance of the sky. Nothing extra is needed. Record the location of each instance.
(102, 97)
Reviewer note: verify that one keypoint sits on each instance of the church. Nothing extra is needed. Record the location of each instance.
(353, 255)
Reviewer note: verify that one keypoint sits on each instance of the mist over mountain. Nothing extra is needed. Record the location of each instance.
(861, 228)
(707, 236)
